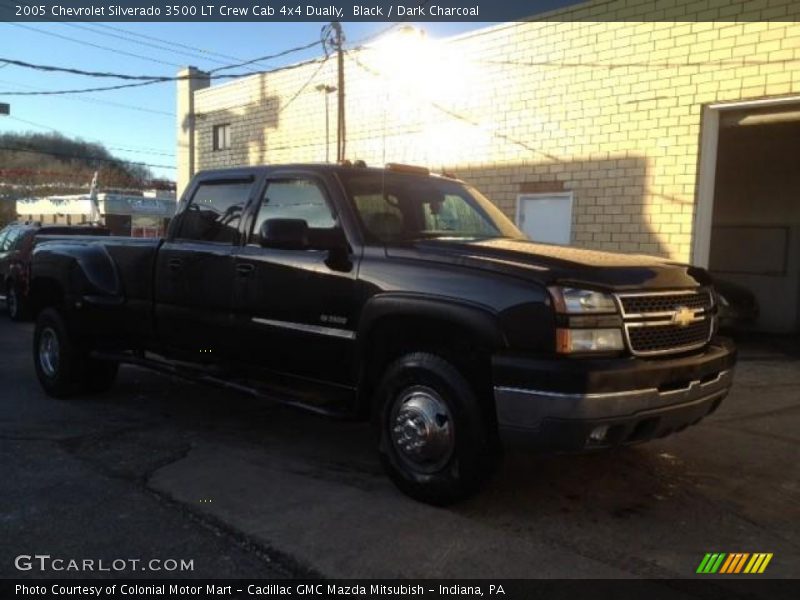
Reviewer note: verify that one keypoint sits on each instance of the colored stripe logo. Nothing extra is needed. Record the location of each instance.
(734, 563)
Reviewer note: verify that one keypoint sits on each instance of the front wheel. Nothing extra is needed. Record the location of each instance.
(62, 362)
(435, 442)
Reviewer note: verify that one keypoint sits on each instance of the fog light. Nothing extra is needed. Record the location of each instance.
(598, 434)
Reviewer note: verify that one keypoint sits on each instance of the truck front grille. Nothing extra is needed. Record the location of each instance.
(667, 322)
(663, 303)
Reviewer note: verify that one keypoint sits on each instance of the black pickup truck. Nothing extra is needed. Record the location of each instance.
(395, 295)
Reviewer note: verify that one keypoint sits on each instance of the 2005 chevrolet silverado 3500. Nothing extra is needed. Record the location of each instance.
(395, 295)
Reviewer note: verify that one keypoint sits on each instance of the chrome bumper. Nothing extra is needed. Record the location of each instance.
(526, 409)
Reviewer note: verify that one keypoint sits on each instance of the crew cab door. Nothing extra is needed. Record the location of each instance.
(194, 272)
(295, 308)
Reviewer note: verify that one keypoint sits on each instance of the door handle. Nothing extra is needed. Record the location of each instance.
(173, 264)
(244, 269)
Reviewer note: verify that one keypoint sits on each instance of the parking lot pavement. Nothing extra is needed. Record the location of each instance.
(164, 468)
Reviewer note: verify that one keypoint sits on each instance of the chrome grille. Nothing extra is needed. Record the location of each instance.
(657, 338)
(667, 322)
(663, 303)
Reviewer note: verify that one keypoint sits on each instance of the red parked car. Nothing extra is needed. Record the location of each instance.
(16, 243)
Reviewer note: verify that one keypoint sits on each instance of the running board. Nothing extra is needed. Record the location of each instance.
(197, 375)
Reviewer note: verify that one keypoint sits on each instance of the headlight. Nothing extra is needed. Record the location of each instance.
(569, 341)
(586, 321)
(580, 302)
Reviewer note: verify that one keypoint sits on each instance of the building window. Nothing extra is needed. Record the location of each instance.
(222, 136)
(546, 217)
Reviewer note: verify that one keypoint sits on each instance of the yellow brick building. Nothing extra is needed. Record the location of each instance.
(623, 119)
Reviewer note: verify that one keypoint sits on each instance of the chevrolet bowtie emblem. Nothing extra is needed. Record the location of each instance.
(682, 316)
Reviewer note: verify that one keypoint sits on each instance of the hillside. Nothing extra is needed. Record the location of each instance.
(36, 164)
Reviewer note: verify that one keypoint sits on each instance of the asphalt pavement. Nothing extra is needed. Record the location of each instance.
(160, 468)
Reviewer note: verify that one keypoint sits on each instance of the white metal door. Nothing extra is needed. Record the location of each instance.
(546, 217)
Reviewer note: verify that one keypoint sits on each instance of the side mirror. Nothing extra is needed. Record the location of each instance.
(287, 234)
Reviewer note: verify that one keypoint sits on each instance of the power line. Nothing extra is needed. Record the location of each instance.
(92, 100)
(117, 161)
(169, 42)
(93, 45)
(267, 57)
(84, 90)
(151, 81)
(162, 48)
(24, 171)
(304, 86)
(135, 149)
(72, 71)
(164, 45)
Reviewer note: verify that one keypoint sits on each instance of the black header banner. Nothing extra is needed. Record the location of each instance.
(275, 10)
(386, 10)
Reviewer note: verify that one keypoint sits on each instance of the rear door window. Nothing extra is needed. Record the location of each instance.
(294, 198)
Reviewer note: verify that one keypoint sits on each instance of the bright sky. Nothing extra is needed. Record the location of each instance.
(139, 124)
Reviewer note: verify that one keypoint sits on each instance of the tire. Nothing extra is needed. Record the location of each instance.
(62, 362)
(424, 399)
(15, 303)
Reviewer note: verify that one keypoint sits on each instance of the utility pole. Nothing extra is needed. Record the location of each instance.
(333, 38)
(341, 130)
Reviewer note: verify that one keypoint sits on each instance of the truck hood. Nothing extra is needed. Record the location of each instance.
(550, 264)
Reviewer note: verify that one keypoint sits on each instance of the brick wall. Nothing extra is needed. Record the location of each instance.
(609, 110)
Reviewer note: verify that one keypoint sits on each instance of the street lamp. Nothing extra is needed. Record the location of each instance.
(327, 90)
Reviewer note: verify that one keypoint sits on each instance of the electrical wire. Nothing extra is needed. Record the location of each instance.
(87, 99)
(267, 57)
(118, 161)
(93, 45)
(162, 48)
(304, 86)
(134, 149)
(288, 103)
(72, 71)
(172, 43)
(152, 80)
(82, 90)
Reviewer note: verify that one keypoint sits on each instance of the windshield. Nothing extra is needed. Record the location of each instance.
(395, 207)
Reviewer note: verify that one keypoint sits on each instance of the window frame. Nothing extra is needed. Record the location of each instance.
(566, 195)
(248, 237)
(255, 188)
(227, 143)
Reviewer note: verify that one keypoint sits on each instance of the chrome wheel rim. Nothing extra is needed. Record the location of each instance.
(421, 429)
(49, 352)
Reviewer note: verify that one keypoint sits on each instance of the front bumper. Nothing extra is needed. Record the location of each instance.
(557, 404)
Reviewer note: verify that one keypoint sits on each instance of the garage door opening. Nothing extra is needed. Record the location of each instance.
(755, 222)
